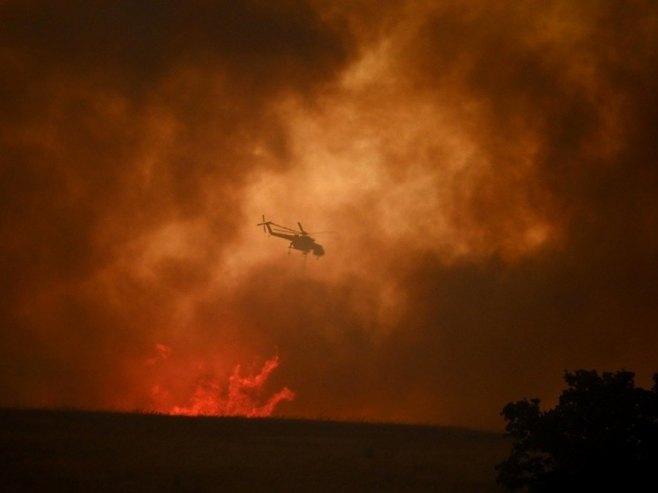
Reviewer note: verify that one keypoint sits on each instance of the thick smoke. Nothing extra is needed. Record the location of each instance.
(488, 172)
(128, 133)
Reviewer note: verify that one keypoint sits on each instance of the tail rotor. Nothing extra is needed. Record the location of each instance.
(263, 224)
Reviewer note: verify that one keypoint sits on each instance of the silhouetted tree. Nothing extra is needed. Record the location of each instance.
(601, 436)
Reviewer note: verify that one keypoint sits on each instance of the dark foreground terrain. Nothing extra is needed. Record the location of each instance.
(84, 451)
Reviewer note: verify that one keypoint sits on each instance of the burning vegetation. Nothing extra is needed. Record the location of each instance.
(241, 395)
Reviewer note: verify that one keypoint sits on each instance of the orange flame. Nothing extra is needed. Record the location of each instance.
(241, 397)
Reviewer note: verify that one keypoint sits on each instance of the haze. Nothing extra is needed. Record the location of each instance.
(488, 173)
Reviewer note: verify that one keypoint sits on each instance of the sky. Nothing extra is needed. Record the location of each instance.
(487, 176)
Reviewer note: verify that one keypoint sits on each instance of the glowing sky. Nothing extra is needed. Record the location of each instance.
(488, 172)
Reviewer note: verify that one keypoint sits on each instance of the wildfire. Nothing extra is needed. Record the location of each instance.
(240, 396)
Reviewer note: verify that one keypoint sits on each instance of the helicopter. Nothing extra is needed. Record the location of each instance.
(299, 239)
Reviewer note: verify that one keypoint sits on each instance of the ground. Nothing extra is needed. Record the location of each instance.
(92, 451)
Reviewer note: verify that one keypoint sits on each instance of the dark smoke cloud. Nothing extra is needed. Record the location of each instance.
(505, 229)
(578, 83)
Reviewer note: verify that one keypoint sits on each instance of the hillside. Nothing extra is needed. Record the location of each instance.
(92, 451)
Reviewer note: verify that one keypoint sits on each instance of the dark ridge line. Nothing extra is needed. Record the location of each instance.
(281, 420)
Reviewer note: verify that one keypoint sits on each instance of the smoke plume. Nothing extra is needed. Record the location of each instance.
(488, 173)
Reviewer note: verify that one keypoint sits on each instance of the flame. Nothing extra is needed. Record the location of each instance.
(240, 396)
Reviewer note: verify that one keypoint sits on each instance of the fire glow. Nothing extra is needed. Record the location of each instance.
(239, 396)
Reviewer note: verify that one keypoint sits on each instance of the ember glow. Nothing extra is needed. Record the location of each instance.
(211, 395)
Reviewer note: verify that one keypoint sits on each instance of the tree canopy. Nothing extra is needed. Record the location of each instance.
(602, 435)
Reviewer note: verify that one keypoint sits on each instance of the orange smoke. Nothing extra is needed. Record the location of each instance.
(240, 396)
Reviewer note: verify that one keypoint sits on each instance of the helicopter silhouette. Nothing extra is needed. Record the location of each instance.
(299, 239)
